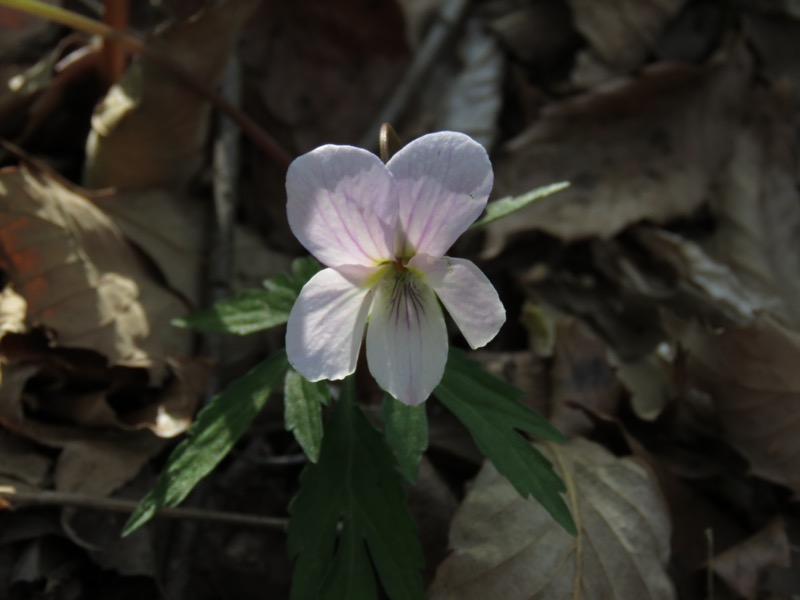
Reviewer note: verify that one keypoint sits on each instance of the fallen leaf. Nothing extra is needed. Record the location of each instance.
(150, 130)
(171, 229)
(620, 33)
(742, 566)
(751, 374)
(472, 102)
(12, 311)
(22, 462)
(80, 278)
(507, 547)
(756, 210)
(322, 70)
(678, 122)
(581, 376)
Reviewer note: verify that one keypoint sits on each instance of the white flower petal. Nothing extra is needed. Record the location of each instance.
(406, 340)
(443, 182)
(466, 293)
(326, 325)
(342, 205)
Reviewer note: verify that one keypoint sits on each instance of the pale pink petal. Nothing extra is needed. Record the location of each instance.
(443, 182)
(342, 205)
(466, 293)
(326, 325)
(406, 340)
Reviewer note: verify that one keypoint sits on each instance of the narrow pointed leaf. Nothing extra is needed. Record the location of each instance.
(254, 310)
(490, 410)
(303, 402)
(407, 434)
(505, 206)
(217, 428)
(355, 483)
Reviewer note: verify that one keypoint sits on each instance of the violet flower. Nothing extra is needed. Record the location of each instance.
(382, 231)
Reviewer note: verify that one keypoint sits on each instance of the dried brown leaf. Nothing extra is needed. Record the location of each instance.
(621, 34)
(21, 462)
(80, 277)
(742, 566)
(322, 69)
(751, 373)
(507, 547)
(642, 149)
(757, 211)
(171, 229)
(12, 311)
(150, 130)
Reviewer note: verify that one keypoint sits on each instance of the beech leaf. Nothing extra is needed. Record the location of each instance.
(504, 546)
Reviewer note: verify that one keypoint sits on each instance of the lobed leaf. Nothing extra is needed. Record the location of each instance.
(490, 410)
(217, 428)
(356, 485)
(254, 310)
(303, 402)
(407, 434)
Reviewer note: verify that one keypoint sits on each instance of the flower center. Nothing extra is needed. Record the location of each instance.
(400, 267)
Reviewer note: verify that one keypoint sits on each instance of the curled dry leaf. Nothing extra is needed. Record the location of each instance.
(472, 102)
(507, 547)
(757, 211)
(751, 373)
(150, 130)
(742, 566)
(80, 278)
(677, 122)
(621, 34)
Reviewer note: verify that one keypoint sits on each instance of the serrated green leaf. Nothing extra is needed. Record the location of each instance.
(355, 483)
(511, 204)
(490, 410)
(303, 402)
(407, 434)
(254, 310)
(217, 428)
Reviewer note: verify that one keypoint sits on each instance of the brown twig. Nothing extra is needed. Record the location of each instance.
(13, 497)
(113, 56)
(440, 32)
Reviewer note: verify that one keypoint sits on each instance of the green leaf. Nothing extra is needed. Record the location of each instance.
(254, 310)
(217, 428)
(407, 434)
(490, 410)
(510, 204)
(303, 402)
(355, 484)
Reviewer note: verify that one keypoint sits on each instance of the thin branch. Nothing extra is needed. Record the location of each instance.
(440, 33)
(12, 496)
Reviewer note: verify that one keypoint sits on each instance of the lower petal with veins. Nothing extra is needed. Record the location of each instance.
(406, 339)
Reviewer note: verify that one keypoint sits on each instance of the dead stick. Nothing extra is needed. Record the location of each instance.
(12, 496)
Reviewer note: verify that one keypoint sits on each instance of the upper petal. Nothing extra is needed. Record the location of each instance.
(466, 293)
(443, 182)
(326, 325)
(406, 340)
(342, 205)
